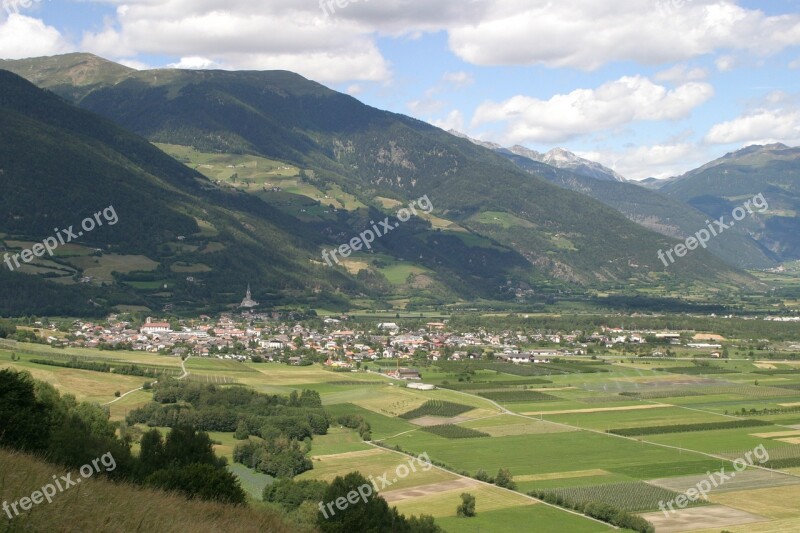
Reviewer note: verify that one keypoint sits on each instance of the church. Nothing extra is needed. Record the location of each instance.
(248, 302)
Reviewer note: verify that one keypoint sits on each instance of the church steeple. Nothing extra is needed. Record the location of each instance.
(248, 301)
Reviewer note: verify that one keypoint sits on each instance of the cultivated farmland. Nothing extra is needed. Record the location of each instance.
(436, 408)
(632, 496)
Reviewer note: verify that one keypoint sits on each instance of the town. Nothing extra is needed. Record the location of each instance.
(345, 343)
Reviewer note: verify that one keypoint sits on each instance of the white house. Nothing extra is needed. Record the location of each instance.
(150, 328)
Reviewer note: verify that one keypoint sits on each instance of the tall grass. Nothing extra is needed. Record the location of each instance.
(99, 505)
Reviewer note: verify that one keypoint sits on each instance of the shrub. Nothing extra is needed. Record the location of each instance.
(242, 432)
(199, 481)
(466, 508)
(505, 479)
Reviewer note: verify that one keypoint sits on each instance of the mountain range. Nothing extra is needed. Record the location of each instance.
(557, 157)
(275, 168)
(719, 187)
(678, 207)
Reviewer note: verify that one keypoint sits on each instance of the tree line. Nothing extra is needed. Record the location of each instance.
(35, 418)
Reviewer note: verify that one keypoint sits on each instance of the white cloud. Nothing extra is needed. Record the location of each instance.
(194, 63)
(459, 79)
(22, 36)
(364, 63)
(681, 73)
(431, 103)
(725, 63)
(587, 34)
(354, 90)
(761, 126)
(134, 64)
(17, 7)
(657, 161)
(584, 111)
(297, 36)
(246, 34)
(453, 121)
(425, 106)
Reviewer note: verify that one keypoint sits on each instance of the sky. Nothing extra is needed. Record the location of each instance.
(646, 87)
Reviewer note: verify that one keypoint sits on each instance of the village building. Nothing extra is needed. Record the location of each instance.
(248, 302)
(150, 327)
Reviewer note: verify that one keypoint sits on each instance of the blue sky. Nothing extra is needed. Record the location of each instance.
(647, 87)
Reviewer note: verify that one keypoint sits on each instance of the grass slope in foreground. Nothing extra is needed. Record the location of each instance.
(99, 505)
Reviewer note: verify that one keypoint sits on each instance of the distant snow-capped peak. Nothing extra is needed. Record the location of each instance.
(557, 157)
(561, 158)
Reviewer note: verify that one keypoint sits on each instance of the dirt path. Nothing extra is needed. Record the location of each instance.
(185, 373)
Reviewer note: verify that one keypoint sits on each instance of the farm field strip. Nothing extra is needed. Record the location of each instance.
(766, 474)
(534, 428)
(651, 443)
(508, 494)
(562, 475)
(713, 516)
(633, 496)
(776, 434)
(719, 414)
(597, 410)
(443, 503)
(745, 480)
(86, 385)
(774, 502)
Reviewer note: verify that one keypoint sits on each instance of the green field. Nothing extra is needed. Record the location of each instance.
(258, 175)
(561, 447)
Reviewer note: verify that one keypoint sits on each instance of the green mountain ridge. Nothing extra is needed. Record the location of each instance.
(656, 211)
(497, 230)
(728, 182)
(61, 164)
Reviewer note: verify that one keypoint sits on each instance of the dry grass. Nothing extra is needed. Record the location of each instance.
(444, 503)
(775, 502)
(100, 506)
(791, 525)
(376, 464)
(562, 475)
(84, 384)
(715, 516)
(776, 434)
(424, 491)
(531, 428)
(599, 409)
